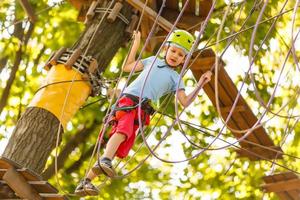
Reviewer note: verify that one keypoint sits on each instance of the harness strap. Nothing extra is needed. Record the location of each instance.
(145, 105)
(120, 111)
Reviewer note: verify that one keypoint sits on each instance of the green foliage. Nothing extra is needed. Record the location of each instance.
(213, 174)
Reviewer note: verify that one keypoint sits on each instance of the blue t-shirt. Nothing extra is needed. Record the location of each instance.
(161, 80)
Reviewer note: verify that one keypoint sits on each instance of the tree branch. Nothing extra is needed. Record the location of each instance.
(15, 68)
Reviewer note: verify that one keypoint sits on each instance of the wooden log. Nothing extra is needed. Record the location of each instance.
(57, 55)
(132, 25)
(93, 66)
(7, 163)
(228, 92)
(280, 177)
(282, 186)
(146, 26)
(187, 20)
(260, 153)
(238, 108)
(53, 196)
(208, 89)
(42, 187)
(295, 194)
(115, 11)
(191, 7)
(283, 196)
(165, 24)
(75, 55)
(5, 191)
(91, 11)
(248, 115)
(18, 183)
(2, 172)
(205, 63)
(24, 172)
(172, 4)
(29, 10)
(48, 64)
(236, 117)
(199, 8)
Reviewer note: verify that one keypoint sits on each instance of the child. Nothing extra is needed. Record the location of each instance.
(162, 79)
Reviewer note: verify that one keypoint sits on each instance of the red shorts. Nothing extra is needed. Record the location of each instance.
(126, 125)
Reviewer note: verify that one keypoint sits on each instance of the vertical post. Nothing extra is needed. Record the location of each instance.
(115, 11)
(91, 12)
(18, 183)
(75, 55)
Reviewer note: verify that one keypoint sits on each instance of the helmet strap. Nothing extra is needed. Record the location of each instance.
(167, 48)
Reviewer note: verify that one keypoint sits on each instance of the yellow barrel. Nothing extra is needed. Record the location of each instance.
(53, 97)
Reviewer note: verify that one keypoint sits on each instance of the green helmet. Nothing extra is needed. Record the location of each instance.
(182, 38)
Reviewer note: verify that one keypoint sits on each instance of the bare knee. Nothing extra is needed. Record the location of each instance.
(121, 136)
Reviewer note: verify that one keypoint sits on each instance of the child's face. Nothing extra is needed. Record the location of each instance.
(175, 56)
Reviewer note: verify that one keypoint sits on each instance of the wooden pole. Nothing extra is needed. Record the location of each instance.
(75, 55)
(18, 183)
(165, 24)
(115, 11)
(91, 12)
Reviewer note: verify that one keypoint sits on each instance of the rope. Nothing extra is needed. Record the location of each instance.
(163, 105)
(120, 15)
(131, 73)
(258, 96)
(230, 114)
(181, 73)
(245, 136)
(65, 102)
(184, 66)
(220, 27)
(98, 144)
(244, 30)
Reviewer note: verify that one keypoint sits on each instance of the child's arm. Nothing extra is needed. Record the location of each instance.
(186, 100)
(131, 62)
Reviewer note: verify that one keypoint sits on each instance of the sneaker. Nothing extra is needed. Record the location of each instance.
(79, 191)
(85, 188)
(105, 167)
(97, 169)
(91, 189)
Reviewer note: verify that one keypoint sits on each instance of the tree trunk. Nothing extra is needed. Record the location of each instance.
(35, 134)
(108, 39)
(33, 139)
(79, 137)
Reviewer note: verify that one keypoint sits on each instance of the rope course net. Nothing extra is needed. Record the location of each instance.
(265, 39)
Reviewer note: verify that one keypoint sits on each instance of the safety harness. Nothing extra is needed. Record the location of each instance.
(119, 112)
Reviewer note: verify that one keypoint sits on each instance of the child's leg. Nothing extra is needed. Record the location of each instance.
(113, 145)
(91, 175)
(111, 148)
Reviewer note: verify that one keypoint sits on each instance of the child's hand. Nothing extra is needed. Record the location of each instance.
(205, 78)
(137, 38)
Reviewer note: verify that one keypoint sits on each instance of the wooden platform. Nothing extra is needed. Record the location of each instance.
(243, 117)
(286, 185)
(9, 169)
(191, 19)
